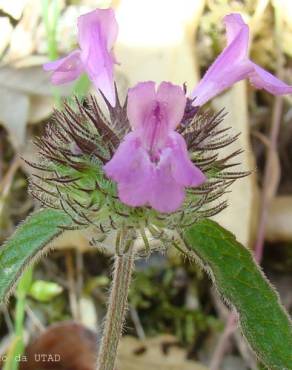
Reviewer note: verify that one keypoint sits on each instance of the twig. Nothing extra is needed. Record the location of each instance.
(7, 318)
(72, 285)
(6, 182)
(268, 193)
(245, 351)
(242, 346)
(223, 343)
(79, 278)
(5, 344)
(53, 272)
(137, 323)
(35, 320)
(7, 179)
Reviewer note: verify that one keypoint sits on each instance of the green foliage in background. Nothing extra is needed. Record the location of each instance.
(159, 294)
(44, 291)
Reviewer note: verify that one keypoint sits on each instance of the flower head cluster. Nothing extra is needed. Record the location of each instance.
(154, 162)
(152, 166)
(69, 173)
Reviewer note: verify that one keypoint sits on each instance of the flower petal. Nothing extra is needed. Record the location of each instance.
(233, 65)
(141, 182)
(101, 20)
(65, 69)
(140, 101)
(264, 80)
(104, 82)
(120, 167)
(132, 169)
(173, 98)
(136, 192)
(97, 31)
(234, 25)
(230, 66)
(183, 170)
(165, 194)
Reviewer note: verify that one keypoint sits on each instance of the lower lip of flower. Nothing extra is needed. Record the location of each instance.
(154, 156)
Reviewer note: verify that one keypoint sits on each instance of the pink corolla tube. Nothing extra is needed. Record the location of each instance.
(233, 65)
(97, 33)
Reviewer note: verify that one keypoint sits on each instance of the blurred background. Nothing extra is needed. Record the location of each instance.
(176, 319)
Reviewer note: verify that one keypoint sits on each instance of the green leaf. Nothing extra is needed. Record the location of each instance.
(28, 241)
(263, 320)
(44, 291)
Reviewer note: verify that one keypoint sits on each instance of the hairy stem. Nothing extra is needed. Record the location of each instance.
(116, 310)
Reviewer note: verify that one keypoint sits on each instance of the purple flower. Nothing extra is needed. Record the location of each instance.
(233, 65)
(97, 32)
(151, 165)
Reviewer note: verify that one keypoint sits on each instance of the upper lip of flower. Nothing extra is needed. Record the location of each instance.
(153, 132)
